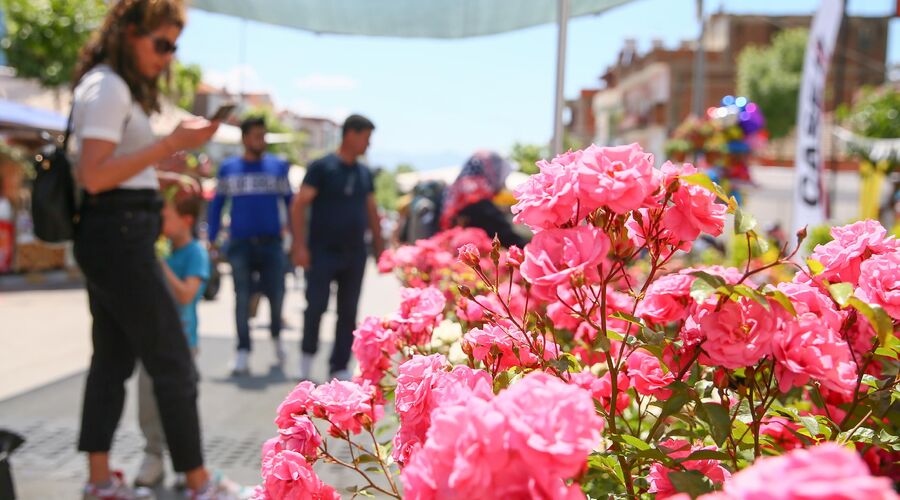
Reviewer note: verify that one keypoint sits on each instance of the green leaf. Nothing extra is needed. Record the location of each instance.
(703, 180)
(887, 353)
(815, 267)
(627, 317)
(677, 400)
(711, 279)
(719, 421)
(761, 244)
(701, 290)
(811, 424)
(691, 482)
(640, 444)
(752, 294)
(878, 318)
(841, 293)
(743, 222)
(365, 459)
(707, 455)
(781, 298)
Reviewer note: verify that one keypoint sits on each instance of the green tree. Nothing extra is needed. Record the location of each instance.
(405, 168)
(43, 37)
(386, 191)
(527, 155)
(181, 86)
(770, 76)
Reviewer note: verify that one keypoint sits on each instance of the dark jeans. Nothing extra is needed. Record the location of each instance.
(266, 258)
(134, 317)
(346, 267)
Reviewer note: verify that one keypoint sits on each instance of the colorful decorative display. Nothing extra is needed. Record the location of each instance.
(722, 141)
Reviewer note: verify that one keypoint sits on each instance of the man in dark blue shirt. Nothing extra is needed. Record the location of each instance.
(257, 187)
(339, 193)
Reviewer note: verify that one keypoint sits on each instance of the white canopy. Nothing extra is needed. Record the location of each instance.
(404, 18)
(422, 19)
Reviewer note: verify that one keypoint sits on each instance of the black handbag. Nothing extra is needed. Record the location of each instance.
(53, 207)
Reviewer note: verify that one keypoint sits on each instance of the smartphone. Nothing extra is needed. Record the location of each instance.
(223, 112)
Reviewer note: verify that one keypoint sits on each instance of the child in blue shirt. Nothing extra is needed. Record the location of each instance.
(186, 270)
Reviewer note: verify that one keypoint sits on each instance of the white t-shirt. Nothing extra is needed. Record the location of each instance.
(104, 110)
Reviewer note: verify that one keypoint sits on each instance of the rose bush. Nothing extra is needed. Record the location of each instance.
(596, 362)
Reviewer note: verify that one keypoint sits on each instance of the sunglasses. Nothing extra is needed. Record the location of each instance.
(163, 47)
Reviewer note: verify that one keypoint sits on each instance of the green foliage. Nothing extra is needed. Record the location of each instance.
(526, 156)
(876, 114)
(405, 168)
(386, 191)
(182, 84)
(44, 36)
(818, 235)
(770, 76)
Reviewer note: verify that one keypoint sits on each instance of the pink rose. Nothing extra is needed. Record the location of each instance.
(421, 309)
(737, 335)
(290, 477)
(852, 244)
(516, 256)
(373, 346)
(809, 298)
(302, 437)
(806, 347)
(549, 199)
(510, 446)
(557, 256)
(879, 282)
(553, 425)
(414, 402)
(826, 472)
(349, 406)
(296, 403)
(666, 299)
(386, 262)
(465, 453)
(694, 210)
(469, 255)
(650, 233)
(647, 375)
(601, 389)
(501, 348)
(618, 177)
(780, 431)
(680, 449)
(462, 383)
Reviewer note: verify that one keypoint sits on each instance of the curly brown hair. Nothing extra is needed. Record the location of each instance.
(109, 45)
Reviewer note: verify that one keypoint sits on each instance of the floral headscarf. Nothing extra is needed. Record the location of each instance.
(481, 178)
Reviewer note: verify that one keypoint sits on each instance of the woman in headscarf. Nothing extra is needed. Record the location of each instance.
(469, 200)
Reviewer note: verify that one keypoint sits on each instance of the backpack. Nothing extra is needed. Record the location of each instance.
(53, 206)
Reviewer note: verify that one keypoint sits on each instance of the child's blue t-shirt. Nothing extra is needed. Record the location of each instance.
(190, 260)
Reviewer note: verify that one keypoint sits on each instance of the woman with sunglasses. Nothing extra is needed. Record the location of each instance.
(134, 313)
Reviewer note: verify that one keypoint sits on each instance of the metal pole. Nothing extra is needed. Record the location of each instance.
(699, 57)
(563, 21)
(840, 73)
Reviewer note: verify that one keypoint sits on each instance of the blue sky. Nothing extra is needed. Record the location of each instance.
(436, 101)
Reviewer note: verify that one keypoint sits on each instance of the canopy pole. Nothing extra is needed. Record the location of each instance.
(563, 21)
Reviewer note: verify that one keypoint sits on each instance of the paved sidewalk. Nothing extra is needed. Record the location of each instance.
(44, 350)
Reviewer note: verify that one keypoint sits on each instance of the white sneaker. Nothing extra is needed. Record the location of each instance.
(280, 355)
(306, 364)
(219, 488)
(241, 363)
(342, 375)
(116, 490)
(151, 472)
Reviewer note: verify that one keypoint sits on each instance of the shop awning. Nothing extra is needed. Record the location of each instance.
(20, 116)
(405, 18)
(422, 19)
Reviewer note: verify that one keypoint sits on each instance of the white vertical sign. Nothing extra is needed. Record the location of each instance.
(810, 196)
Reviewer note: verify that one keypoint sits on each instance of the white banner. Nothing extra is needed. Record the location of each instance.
(810, 197)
